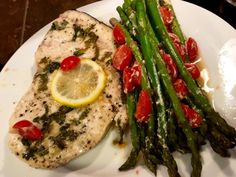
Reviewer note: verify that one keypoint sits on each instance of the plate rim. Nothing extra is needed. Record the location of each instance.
(40, 33)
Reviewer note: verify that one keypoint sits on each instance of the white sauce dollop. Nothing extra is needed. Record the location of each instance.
(224, 94)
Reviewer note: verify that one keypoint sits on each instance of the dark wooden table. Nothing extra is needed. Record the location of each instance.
(20, 19)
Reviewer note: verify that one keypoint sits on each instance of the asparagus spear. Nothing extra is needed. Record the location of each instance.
(175, 24)
(131, 161)
(135, 136)
(147, 157)
(199, 98)
(146, 86)
(215, 146)
(124, 18)
(196, 162)
(147, 50)
(167, 154)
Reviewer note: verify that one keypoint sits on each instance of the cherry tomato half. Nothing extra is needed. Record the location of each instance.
(144, 107)
(192, 49)
(180, 88)
(193, 117)
(167, 15)
(118, 35)
(193, 70)
(170, 64)
(181, 50)
(132, 77)
(69, 63)
(136, 74)
(122, 57)
(127, 80)
(174, 38)
(27, 130)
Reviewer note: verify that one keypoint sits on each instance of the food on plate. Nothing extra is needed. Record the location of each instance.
(73, 89)
(167, 109)
(74, 97)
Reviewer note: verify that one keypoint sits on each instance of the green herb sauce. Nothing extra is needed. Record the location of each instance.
(65, 133)
(50, 67)
(59, 26)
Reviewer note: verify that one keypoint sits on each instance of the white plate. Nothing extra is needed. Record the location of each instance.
(217, 41)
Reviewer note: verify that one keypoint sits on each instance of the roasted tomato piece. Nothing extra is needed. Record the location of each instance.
(122, 57)
(181, 50)
(69, 63)
(170, 64)
(136, 74)
(127, 80)
(193, 117)
(28, 130)
(174, 38)
(180, 88)
(193, 70)
(118, 35)
(167, 15)
(144, 107)
(192, 49)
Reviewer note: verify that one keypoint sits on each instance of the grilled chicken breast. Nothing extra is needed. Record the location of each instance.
(68, 132)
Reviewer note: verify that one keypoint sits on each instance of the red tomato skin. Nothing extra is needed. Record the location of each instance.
(127, 80)
(193, 70)
(136, 74)
(174, 38)
(69, 63)
(180, 88)
(118, 35)
(27, 130)
(122, 57)
(192, 49)
(167, 15)
(193, 117)
(144, 107)
(170, 64)
(181, 50)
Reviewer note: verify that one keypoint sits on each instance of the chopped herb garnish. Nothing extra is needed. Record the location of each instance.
(64, 127)
(43, 81)
(96, 53)
(59, 26)
(30, 152)
(52, 66)
(79, 52)
(26, 142)
(83, 33)
(92, 38)
(64, 135)
(59, 116)
(84, 113)
(106, 55)
(44, 60)
(59, 142)
(72, 135)
(42, 151)
(78, 32)
(49, 68)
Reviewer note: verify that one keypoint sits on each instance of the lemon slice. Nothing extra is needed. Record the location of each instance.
(80, 86)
